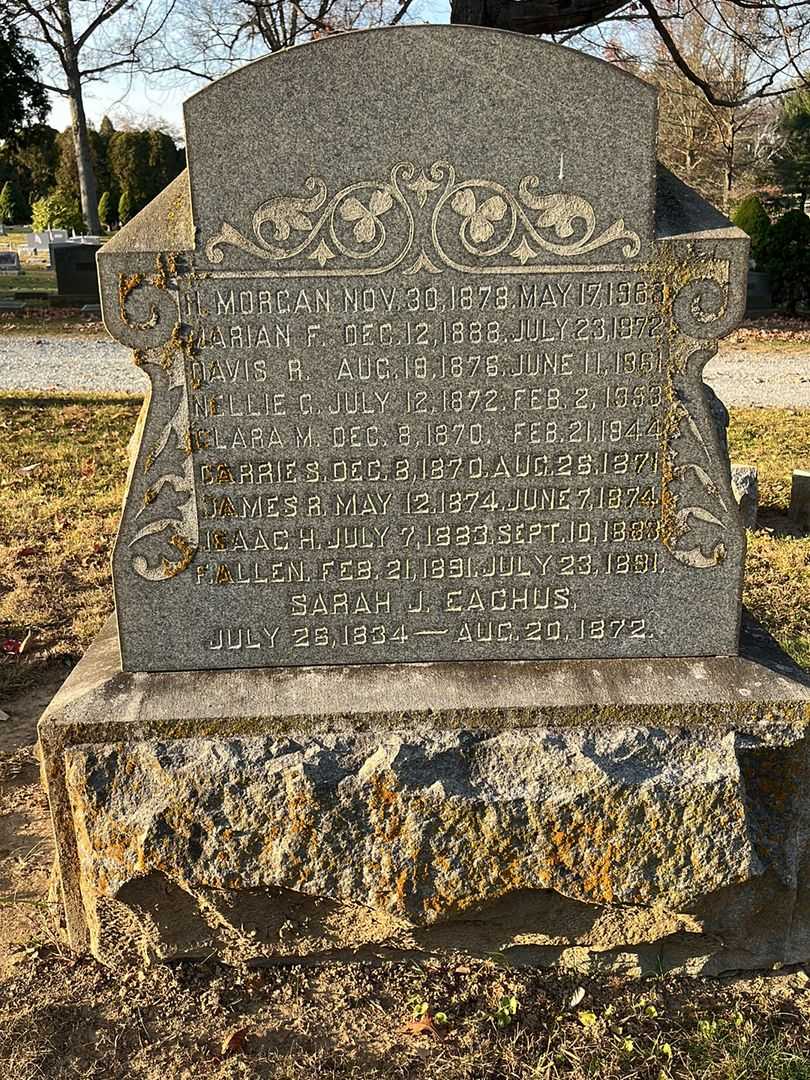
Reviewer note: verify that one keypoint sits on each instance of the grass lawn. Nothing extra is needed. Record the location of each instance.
(62, 470)
(777, 572)
(32, 279)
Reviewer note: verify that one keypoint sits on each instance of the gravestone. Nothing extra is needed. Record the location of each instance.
(745, 485)
(74, 263)
(431, 399)
(428, 577)
(800, 498)
(9, 262)
(40, 241)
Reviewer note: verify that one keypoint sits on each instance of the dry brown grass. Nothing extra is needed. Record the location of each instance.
(62, 469)
(777, 578)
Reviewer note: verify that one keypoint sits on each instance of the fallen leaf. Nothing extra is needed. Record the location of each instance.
(235, 1042)
(88, 468)
(587, 1019)
(26, 470)
(423, 1026)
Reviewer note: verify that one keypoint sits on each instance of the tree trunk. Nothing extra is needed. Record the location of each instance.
(84, 161)
(729, 162)
(81, 140)
(728, 184)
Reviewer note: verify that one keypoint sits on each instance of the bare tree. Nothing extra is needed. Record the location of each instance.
(779, 47)
(79, 41)
(714, 148)
(211, 36)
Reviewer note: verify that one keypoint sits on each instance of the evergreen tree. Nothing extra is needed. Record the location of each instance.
(788, 258)
(23, 100)
(32, 158)
(791, 165)
(128, 157)
(57, 211)
(104, 209)
(751, 217)
(7, 207)
(67, 172)
(124, 207)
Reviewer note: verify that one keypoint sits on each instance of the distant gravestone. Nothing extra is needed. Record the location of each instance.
(75, 267)
(758, 297)
(428, 399)
(9, 262)
(800, 498)
(39, 241)
(745, 485)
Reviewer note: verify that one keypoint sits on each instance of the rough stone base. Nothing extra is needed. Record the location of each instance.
(628, 814)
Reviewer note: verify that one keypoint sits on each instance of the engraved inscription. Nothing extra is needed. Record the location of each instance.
(437, 469)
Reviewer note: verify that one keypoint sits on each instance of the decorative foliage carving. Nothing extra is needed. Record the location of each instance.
(170, 453)
(350, 226)
(370, 227)
(695, 514)
(180, 525)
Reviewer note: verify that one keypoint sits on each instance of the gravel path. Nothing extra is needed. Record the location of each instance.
(65, 362)
(750, 376)
(739, 376)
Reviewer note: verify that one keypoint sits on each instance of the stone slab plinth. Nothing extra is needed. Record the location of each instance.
(634, 813)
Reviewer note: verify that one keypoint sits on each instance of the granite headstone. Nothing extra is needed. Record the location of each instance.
(426, 375)
(9, 262)
(425, 333)
(75, 266)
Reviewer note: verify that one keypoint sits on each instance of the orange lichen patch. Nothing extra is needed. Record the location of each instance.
(670, 532)
(301, 810)
(385, 806)
(187, 552)
(180, 344)
(126, 284)
(402, 881)
(175, 216)
(152, 457)
(165, 268)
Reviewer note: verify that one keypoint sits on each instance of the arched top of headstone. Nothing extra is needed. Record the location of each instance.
(346, 110)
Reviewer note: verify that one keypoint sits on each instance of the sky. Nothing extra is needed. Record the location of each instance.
(139, 97)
